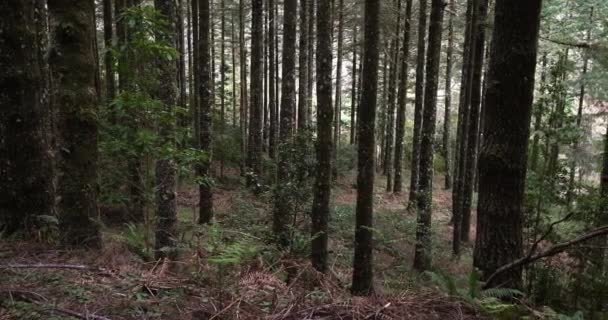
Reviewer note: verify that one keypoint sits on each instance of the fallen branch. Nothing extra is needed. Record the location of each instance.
(553, 250)
(41, 301)
(56, 266)
(583, 45)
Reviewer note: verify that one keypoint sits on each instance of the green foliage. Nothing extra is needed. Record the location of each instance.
(491, 301)
(346, 159)
(137, 239)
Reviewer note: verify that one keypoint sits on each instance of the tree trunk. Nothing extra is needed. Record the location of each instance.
(477, 56)
(282, 209)
(254, 156)
(166, 170)
(353, 97)
(402, 99)
(222, 78)
(272, 100)
(539, 110)
(322, 192)
(362, 263)
(234, 74)
(418, 104)
(579, 116)
(423, 254)
(196, 67)
(303, 70)
(181, 46)
(206, 105)
(461, 142)
(338, 99)
(243, 84)
(311, 58)
(108, 60)
(390, 107)
(26, 187)
(72, 62)
(447, 118)
(502, 160)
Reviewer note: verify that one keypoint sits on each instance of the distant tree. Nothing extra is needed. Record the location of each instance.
(338, 99)
(205, 110)
(402, 99)
(503, 154)
(72, 65)
(447, 118)
(390, 105)
(418, 104)
(254, 151)
(272, 92)
(26, 187)
(362, 263)
(303, 94)
(108, 59)
(322, 191)
(282, 212)
(423, 254)
(353, 97)
(166, 171)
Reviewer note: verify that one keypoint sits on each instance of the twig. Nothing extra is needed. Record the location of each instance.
(583, 45)
(553, 250)
(56, 266)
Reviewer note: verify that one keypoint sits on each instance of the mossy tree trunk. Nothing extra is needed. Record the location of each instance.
(26, 187)
(423, 252)
(503, 154)
(362, 282)
(418, 104)
(402, 100)
(303, 66)
(256, 107)
(72, 63)
(447, 117)
(166, 171)
(322, 188)
(282, 211)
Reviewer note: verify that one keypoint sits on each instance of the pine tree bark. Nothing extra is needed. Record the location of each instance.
(477, 56)
(423, 254)
(181, 63)
(254, 152)
(539, 110)
(303, 66)
(322, 192)
(166, 170)
(461, 141)
(243, 85)
(338, 99)
(26, 164)
(206, 105)
(282, 214)
(447, 117)
(311, 58)
(108, 59)
(72, 65)
(196, 67)
(362, 263)
(272, 100)
(402, 99)
(503, 156)
(418, 104)
(390, 108)
(353, 97)
(222, 77)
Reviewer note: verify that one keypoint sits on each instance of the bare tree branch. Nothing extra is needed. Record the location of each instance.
(551, 251)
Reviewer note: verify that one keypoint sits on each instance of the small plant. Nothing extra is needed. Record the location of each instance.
(491, 301)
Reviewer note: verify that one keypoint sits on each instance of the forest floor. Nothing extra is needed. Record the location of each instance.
(230, 271)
